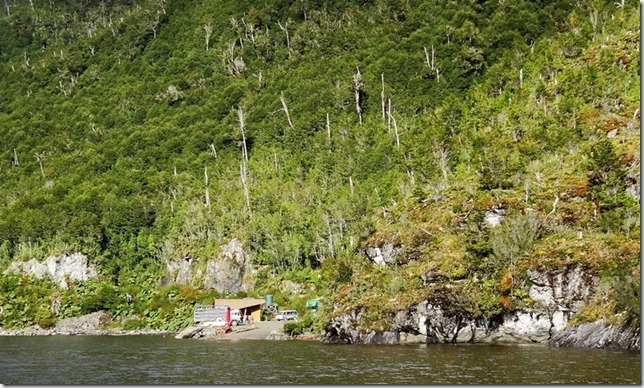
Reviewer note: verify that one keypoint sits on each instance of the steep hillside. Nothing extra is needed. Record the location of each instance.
(476, 140)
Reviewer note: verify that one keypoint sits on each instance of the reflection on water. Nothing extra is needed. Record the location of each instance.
(165, 360)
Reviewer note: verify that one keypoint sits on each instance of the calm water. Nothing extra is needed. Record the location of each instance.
(165, 360)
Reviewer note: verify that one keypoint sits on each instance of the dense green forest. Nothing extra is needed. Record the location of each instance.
(142, 131)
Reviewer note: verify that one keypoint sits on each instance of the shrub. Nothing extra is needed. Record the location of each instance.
(304, 325)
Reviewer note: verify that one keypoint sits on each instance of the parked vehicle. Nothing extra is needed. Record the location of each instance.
(236, 317)
(287, 315)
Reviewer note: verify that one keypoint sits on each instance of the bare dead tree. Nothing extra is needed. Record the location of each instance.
(207, 187)
(351, 185)
(243, 168)
(249, 30)
(16, 162)
(243, 173)
(410, 174)
(357, 85)
(39, 159)
(285, 108)
(392, 119)
(260, 76)
(521, 78)
(161, 4)
(389, 116)
(328, 131)
(327, 221)
(410, 171)
(442, 158)
(433, 51)
(213, 150)
(208, 29)
(594, 19)
(242, 127)
(234, 65)
(155, 26)
(382, 96)
(288, 41)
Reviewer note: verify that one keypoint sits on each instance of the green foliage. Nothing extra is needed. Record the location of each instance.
(25, 301)
(108, 128)
(301, 326)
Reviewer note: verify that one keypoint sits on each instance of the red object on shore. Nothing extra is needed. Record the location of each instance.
(227, 316)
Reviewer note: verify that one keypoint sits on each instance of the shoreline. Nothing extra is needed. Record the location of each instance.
(38, 331)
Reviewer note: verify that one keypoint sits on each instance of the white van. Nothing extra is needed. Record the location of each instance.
(287, 315)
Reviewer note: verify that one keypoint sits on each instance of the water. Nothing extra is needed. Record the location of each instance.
(165, 360)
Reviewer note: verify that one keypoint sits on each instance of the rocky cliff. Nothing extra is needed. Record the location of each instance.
(58, 268)
(229, 271)
(558, 296)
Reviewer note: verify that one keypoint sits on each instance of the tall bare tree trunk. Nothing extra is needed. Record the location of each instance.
(288, 41)
(213, 150)
(243, 168)
(433, 57)
(357, 85)
(207, 187)
(389, 116)
(392, 119)
(243, 173)
(39, 159)
(442, 157)
(208, 29)
(327, 221)
(382, 96)
(328, 131)
(242, 127)
(288, 117)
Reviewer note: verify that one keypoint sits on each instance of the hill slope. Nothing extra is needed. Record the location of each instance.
(143, 132)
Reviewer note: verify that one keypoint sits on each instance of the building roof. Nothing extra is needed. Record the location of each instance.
(239, 303)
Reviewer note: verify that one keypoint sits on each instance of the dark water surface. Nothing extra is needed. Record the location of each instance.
(165, 360)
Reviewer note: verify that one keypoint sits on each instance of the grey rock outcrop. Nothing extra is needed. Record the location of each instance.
(565, 289)
(181, 270)
(57, 268)
(598, 335)
(383, 255)
(230, 271)
(93, 321)
(559, 294)
(275, 335)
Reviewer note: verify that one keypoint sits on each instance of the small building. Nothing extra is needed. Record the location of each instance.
(247, 306)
